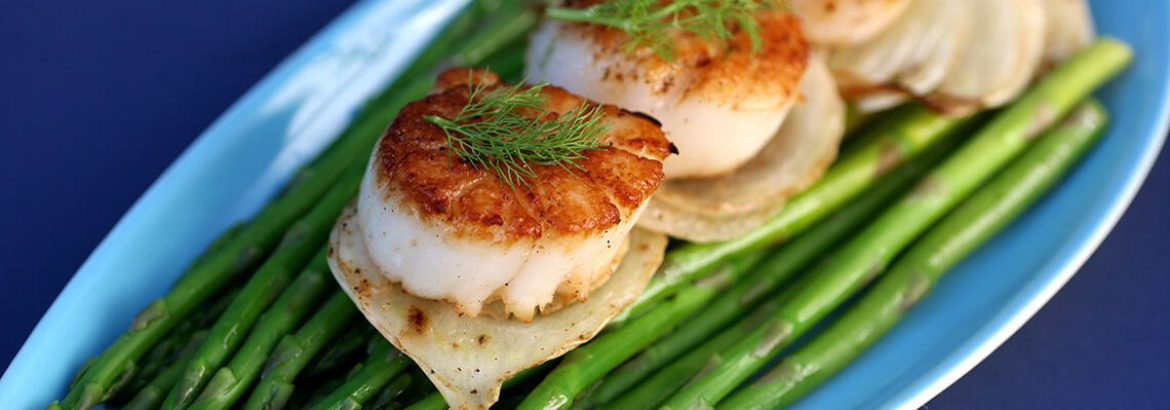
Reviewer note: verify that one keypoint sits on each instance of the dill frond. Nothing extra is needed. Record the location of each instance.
(509, 129)
(649, 22)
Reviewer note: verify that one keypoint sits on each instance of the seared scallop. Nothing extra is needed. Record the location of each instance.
(718, 102)
(447, 229)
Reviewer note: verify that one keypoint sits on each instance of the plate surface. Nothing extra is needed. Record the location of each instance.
(247, 154)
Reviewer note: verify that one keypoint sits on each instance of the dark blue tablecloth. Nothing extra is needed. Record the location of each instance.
(97, 97)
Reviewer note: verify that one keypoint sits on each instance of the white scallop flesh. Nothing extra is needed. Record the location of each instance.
(729, 206)
(713, 137)
(468, 271)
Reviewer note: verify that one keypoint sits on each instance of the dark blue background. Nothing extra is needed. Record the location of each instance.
(97, 97)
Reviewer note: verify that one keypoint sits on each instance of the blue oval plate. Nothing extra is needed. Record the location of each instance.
(249, 152)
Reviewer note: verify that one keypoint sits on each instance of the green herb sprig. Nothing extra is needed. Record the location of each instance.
(650, 22)
(509, 129)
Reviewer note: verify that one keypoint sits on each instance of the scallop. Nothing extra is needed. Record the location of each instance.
(718, 103)
(729, 206)
(445, 229)
(469, 358)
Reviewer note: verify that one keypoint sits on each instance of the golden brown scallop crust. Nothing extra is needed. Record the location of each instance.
(413, 168)
(730, 74)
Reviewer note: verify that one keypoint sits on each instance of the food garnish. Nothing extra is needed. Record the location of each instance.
(493, 226)
(652, 23)
(510, 129)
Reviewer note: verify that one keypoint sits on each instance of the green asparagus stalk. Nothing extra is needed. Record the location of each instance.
(151, 396)
(294, 352)
(667, 380)
(587, 364)
(392, 397)
(913, 129)
(867, 255)
(260, 236)
(163, 354)
(220, 242)
(254, 241)
(316, 390)
(433, 401)
(509, 63)
(138, 374)
(449, 48)
(229, 382)
(915, 273)
(342, 351)
(562, 385)
(511, 21)
(304, 237)
(420, 388)
(855, 119)
(208, 277)
(748, 293)
(383, 364)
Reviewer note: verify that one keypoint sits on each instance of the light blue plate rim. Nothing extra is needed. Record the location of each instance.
(1038, 292)
(294, 111)
(253, 148)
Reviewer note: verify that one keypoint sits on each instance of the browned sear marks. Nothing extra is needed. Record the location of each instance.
(714, 72)
(363, 288)
(413, 167)
(417, 319)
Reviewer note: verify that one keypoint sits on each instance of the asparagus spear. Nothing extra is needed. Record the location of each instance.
(151, 396)
(588, 363)
(294, 252)
(666, 381)
(259, 237)
(915, 273)
(220, 242)
(773, 272)
(164, 354)
(198, 374)
(342, 351)
(143, 372)
(509, 63)
(913, 129)
(855, 119)
(294, 351)
(207, 278)
(383, 364)
(450, 47)
(316, 390)
(507, 28)
(433, 401)
(813, 244)
(510, 20)
(229, 382)
(392, 396)
(1009, 133)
